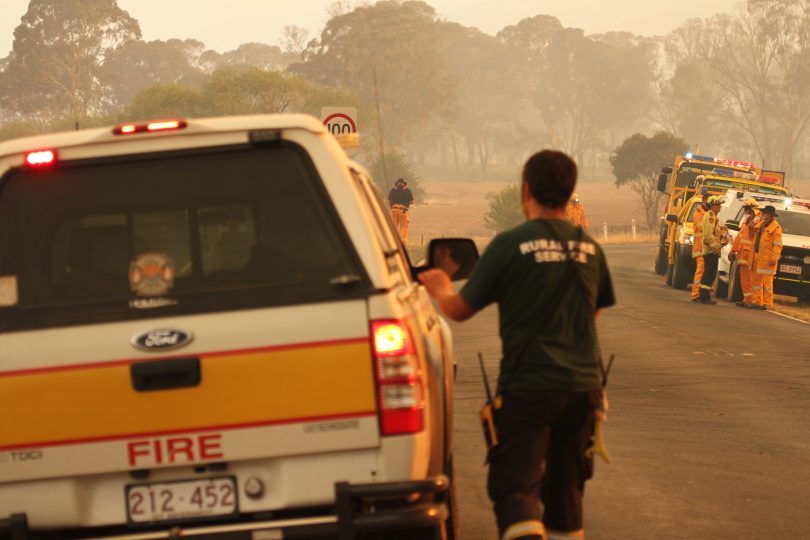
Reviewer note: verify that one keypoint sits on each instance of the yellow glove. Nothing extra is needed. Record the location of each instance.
(598, 447)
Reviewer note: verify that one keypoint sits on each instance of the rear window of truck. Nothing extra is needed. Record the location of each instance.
(180, 232)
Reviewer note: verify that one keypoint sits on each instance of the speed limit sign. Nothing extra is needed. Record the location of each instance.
(339, 120)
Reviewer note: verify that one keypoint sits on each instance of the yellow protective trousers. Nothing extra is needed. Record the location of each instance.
(761, 286)
(745, 283)
(402, 220)
(698, 276)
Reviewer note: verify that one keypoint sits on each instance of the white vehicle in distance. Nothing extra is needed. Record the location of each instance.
(211, 328)
(793, 270)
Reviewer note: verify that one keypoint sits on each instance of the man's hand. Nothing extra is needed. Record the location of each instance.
(436, 282)
(731, 257)
(439, 286)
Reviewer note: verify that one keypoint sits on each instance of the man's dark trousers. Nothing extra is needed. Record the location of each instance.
(551, 427)
(710, 261)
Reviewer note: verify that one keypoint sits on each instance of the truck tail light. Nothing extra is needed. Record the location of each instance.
(399, 377)
(40, 158)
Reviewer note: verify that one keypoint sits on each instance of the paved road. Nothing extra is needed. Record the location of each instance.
(709, 417)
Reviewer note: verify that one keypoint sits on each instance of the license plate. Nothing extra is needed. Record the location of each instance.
(790, 269)
(184, 499)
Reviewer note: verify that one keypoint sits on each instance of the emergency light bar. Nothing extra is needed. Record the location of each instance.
(150, 127)
(769, 179)
(729, 162)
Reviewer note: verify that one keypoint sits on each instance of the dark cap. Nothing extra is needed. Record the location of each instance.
(704, 191)
(401, 181)
(769, 210)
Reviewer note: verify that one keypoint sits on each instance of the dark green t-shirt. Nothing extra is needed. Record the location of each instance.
(521, 270)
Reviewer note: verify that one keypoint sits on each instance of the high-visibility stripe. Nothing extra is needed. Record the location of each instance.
(524, 528)
(765, 271)
(235, 389)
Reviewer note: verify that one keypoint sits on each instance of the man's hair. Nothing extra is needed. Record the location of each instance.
(551, 176)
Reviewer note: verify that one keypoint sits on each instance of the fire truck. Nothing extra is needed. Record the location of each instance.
(683, 181)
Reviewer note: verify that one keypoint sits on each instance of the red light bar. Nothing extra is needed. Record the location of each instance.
(734, 163)
(158, 125)
(40, 158)
(769, 179)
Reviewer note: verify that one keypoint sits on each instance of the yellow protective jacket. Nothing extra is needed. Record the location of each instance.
(767, 247)
(576, 215)
(697, 220)
(743, 245)
(712, 233)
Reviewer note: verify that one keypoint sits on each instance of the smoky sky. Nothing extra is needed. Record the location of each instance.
(225, 24)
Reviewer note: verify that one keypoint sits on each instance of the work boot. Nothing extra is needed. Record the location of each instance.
(764, 308)
(706, 297)
(742, 304)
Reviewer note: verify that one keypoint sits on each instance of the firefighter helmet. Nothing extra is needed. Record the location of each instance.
(750, 203)
(714, 199)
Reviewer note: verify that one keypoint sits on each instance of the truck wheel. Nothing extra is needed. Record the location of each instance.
(660, 260)
(803, 299)
(735, 293)
(680, 274)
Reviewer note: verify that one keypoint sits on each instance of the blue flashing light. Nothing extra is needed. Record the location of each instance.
(688, 155)
(699, 157)
(788, 202)
(722, 172)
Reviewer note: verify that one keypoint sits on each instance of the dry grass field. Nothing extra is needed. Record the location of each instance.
(456, 208)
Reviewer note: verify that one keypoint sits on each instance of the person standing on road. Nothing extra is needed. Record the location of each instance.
(742, 249)
(549, 280)
(697, 242)
(400, 199)
(712, 244)
(575, 212)
(767, 249)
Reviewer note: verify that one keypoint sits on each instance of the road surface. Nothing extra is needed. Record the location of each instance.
(709, 417)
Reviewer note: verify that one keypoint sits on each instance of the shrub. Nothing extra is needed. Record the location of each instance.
(504, 210)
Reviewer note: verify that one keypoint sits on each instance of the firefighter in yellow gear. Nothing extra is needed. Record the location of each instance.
(576, 213)
(712, 244)
(400, 199)
(697, 243)
(767, 249)
(742, 249)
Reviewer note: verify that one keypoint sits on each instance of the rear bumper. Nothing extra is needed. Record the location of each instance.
(359, 509)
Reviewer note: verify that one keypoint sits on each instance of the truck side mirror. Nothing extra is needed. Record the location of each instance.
(672, 217)
(456, 256)
(663, 180)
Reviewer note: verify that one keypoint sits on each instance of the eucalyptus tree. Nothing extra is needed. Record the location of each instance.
(137, 65)
(60, 46)
(388, 55)
(637, 163)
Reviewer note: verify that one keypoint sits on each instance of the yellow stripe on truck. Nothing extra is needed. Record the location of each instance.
(66, 406)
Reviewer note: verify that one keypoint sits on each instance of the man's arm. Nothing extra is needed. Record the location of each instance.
(439, 286)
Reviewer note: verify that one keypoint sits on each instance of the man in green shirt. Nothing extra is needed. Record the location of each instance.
(549, 279)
